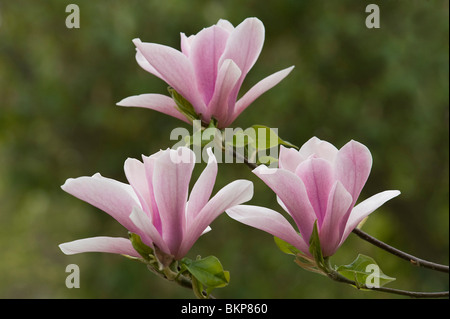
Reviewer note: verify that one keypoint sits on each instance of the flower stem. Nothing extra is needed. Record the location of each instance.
(396, 252)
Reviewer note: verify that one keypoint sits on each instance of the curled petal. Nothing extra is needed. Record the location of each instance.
(157, 102)
(115, 245)
(269, 221)
(176, 70)
(365, 208)
(257, 90)
(113, 197)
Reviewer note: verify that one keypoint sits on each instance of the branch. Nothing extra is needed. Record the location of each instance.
(396, 252)
(334, 275)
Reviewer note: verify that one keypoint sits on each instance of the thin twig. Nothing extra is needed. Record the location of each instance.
(412, 259)
(414, 294)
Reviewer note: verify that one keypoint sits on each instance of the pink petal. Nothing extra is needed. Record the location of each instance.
(206, 49)
(171, 176)
(176, 70)
(143, 63)
(186, 43)
(257, 90)
(365, 208)
(157, 102)
(292, 193)
(148, 232)
(135, 173)
(203, 187)
(319, 148)
(243, 47)
(233, 194)
(153, 206)
(113, 197)
(115, 245)
(289, 158)
(225, 24)
(317, 176)
(227, 78)
(352, 167)
(332, 229)
(269, 221)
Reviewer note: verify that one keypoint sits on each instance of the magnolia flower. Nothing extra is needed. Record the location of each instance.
(155, 205)
(208, 72)
(317, 183)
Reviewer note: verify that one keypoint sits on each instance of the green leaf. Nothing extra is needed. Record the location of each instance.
(208, 271)
(365, 272)
(286, 248)
(266, 138)
(316, 250)
(143, 250)
(183, 105)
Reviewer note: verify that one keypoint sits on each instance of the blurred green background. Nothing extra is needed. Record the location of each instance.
(386, 88)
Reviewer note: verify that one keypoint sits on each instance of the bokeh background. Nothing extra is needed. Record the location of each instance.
(387, 88)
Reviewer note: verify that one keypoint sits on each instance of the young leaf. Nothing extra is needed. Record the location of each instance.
(183, 105)
(208, 271)
(286, 248)
(365, 272)
(143, 250)
(316, 250)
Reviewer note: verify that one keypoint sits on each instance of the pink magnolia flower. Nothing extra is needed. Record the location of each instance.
(317, 183)
(155, 203)
(208, 72)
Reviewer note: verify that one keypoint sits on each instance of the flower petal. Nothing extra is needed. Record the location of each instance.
(143, 63)
(149, 234)
(203, 187)
(330, 233)
(172, 172)
(227, 78)
(289, 158)
(176, 70)
(365, 208)
(225, 24)
(257, 90)
(317, 176)
(233, 194)
(157, 102)
(319, 148)
(292, 193)
(113, 197)
(243, 47)
(135, 173)
(115, 245)
(186, 43)
(269, 221)
(352, 167)
(206, 50)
